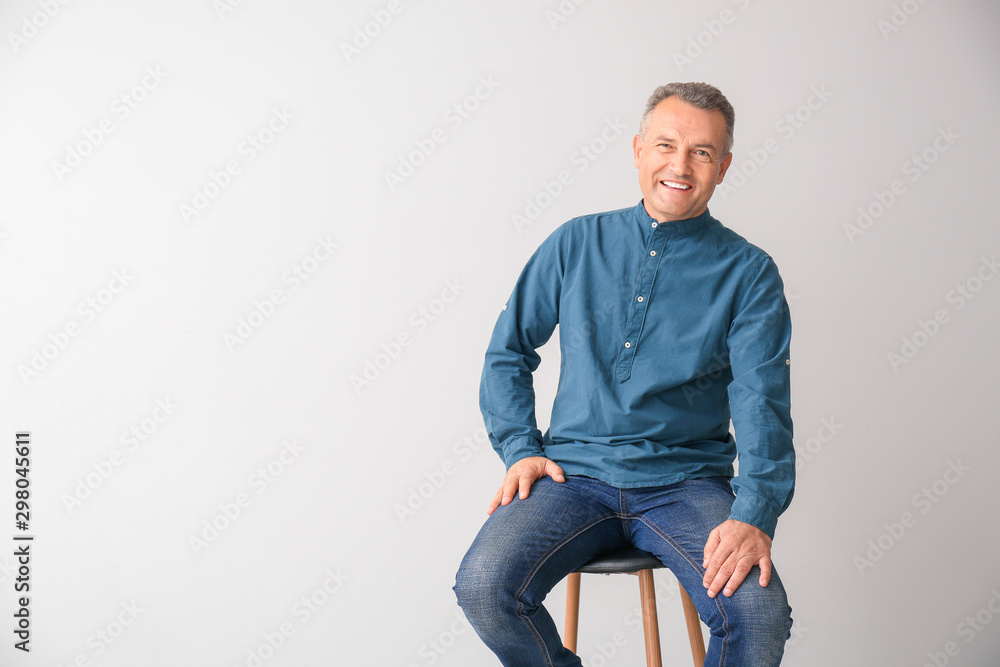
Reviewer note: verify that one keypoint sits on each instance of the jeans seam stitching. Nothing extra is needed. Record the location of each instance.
(535, 634)
(534, 570)
(623, 514)
(722, 612)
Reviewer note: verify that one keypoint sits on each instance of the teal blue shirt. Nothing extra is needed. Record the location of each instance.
(667, 331)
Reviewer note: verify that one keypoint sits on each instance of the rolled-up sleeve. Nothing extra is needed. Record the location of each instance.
(506, 393)
(759, 396)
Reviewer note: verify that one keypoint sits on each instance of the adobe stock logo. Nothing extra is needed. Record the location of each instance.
(434, 648)
(123, 106)
(827, 431)
(102, 639)
(914, 167)
(701, 42)
(433, 480)
(454, 117)
(900, 16)
(968, 629)
(88, 310)
(30, 26)
(230, 511)
(586, 153)
(959, 296)
(787, 126)
(303, 610)
(364, 35)
(420, 320)
(249, 150)
(139, 433)
(925, 500)
(265, 308)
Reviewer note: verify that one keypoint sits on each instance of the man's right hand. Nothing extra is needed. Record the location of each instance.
(521, 476)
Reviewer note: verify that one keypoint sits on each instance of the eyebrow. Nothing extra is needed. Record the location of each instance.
(663, 137)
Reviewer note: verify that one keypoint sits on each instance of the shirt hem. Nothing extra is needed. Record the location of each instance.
(644, 481)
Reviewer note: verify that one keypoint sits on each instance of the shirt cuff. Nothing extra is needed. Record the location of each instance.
(520, 447)
(756, 511)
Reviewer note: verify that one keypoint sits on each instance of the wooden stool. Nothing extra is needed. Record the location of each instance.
(634, 561)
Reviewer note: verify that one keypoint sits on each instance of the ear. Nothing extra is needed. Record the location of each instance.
(637, 147)
(723, 167)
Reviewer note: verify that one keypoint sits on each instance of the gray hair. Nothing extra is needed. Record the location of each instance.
(700, 95)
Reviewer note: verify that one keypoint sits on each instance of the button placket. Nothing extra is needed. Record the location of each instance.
(640, 301)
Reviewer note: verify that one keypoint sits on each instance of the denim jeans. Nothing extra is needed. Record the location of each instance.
(528, 546)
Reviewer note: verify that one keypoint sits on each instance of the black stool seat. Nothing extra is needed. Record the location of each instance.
(621, 561)
(642, 563)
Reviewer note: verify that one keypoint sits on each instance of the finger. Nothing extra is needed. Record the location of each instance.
(710, 547)
(553, 470)
(509, 487)
(495, 503)
(741, 572)
(765, 571)
(525, 486)
(716, 563)
(722, 576)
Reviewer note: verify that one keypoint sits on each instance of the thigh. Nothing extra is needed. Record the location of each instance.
(529, 545)
(674, 521)
(674, 524)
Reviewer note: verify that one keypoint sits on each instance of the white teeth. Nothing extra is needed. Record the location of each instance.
(676, 186)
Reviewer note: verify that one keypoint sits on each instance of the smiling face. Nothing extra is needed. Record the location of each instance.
(680, 160)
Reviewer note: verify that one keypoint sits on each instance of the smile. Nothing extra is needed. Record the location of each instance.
(675, 185)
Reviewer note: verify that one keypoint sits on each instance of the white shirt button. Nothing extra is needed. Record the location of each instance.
(654, 224)
(640, 299)
(652, 253)
(628, 344)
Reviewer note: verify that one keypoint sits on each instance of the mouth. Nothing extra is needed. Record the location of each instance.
(675, 185)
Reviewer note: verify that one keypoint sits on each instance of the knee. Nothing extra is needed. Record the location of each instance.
(763, 612)
(469, 588)
(773, 619)
(480, 586)
(481, 595)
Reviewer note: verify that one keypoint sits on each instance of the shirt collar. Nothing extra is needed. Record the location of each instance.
(678, 227)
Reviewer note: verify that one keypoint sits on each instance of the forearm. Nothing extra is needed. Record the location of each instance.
(760, 396)
(763, 493)
(507, 401)
(526, 322)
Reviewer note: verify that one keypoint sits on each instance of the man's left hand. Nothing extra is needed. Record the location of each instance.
(732, 549)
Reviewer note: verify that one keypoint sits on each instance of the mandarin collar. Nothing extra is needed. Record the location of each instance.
(677, 227)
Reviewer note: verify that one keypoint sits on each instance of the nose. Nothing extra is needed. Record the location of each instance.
(680, 163)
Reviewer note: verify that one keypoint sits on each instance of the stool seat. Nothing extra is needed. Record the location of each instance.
(622, 561)
(630, 560)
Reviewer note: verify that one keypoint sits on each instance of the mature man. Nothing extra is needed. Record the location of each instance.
(670, 326)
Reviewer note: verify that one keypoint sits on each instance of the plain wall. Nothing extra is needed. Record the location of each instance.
(296, 339)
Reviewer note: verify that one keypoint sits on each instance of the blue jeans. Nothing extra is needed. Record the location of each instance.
(527, 547)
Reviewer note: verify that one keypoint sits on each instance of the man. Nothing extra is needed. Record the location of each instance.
(670, 326)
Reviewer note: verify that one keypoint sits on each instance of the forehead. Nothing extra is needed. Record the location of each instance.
(675, 119)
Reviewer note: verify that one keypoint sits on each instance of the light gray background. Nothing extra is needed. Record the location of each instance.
(414, 434)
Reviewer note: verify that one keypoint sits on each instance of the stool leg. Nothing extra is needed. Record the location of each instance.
(694, 628)
(572, 610)
(650, 625)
